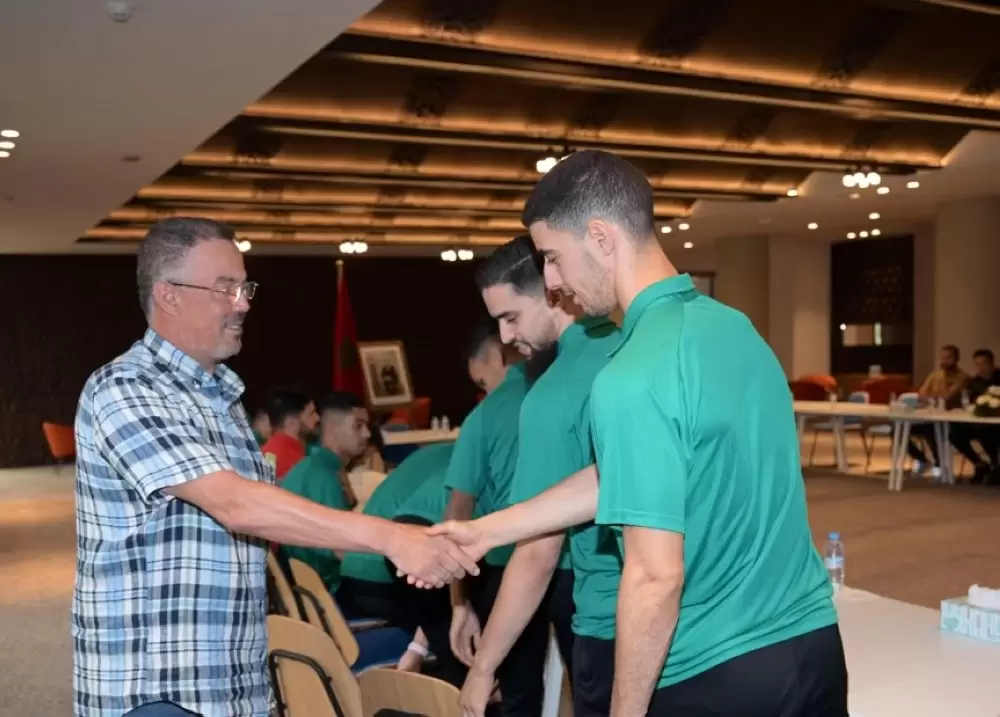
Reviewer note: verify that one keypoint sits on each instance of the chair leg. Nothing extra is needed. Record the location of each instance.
(812, 450)
(868, 447)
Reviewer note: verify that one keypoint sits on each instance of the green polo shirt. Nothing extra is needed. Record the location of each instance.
(555, 442)
(695, 434)
(486, 451)
(317, 477)
(426, 466)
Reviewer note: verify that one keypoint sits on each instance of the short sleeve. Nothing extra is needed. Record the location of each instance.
(548, 452)
(149, 440)
(469, 468)
(642, 456)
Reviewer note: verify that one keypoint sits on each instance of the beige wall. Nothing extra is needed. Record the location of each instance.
(924, 349)
(799, 304)
(741, 280)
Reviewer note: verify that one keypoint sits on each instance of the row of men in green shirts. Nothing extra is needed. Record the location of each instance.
(697, 588)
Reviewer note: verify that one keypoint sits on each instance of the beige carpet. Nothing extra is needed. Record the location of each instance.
(919, 546)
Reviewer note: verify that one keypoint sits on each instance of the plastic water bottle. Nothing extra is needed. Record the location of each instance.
(445, 423)
(835, 560)
(435, 424)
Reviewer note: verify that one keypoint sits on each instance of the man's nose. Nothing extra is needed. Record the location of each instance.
(552, 279)
(506, 332)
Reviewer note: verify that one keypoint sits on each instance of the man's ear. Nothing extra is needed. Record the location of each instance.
(599, 232)
(166, 297)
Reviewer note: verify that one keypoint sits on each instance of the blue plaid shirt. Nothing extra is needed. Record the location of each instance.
(168, 604)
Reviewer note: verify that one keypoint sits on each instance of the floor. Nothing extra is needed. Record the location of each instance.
(921, 545)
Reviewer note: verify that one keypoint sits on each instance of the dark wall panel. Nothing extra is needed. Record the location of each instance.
(65, 316)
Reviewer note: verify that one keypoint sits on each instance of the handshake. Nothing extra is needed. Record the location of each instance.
(435, 556)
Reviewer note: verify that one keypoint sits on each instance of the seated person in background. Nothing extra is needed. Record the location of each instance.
(293, 422)
(946, 383)
(261, 426)
(962, 434)
(343, 436)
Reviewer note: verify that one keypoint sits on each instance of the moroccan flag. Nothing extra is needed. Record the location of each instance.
(346, 366)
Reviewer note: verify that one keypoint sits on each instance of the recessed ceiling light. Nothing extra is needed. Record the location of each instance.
(4, 154)
(882, 190)
(6, 145)
(812, 225)
(854, 195)
(876, 232)
(852, 235)
(843, 327)
(665, 230)
(793, 192)
(874, 215)
(863, 235)
(465, 254)
(689, 245)
(244, 245)
(449, 255)
(913, 184)
(683, 226)
(9, 133)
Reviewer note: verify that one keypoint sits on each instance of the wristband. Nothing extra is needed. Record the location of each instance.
(417, 648)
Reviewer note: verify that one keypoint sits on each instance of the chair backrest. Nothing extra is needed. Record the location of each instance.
(322, 612)
(409, 692)
(828, 383)
(309, 673)
(808, 391)
(62, 442)
(286, 596)
(858, 397)
(881, 389)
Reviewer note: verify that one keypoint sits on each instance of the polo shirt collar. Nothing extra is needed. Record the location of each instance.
(672, 288)
(327, 458)
(577, 332)
(175, 361)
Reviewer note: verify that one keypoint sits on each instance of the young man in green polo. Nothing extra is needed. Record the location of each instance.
(554, 441)
(724, 607)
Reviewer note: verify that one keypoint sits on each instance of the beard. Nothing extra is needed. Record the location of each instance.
(539, 361)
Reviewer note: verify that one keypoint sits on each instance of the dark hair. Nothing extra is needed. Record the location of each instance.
(984, 353)
(590, 184)
(953, 348)
(516, 263)
(285, 403)
(339, 402)
(165, 246)
(485, 331)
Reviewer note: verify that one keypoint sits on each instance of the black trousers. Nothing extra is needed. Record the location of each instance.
(561, 609)
(593, 676)
(360, 599)
(802, 677)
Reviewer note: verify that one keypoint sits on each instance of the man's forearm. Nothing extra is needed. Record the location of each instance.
(525, 580)
(460, 507)
(571, 502)
(648, 609)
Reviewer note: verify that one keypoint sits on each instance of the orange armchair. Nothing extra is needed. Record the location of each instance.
(62, 442)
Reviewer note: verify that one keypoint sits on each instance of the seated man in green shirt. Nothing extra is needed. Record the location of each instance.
(320, 477)
(724, 607)
(554, 441)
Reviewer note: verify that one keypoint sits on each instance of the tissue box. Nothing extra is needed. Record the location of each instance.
(961, 618)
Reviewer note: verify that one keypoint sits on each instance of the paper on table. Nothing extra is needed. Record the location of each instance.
(984, 597)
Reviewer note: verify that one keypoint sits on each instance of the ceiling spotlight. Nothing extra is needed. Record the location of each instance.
(812, 225)
(353, 247)
(843, 327)
(863, 235)
(244, 245)
(665, 230)
(861, 180)
(689, 245)
(913, 184)
(876, 232)
(854, 195)
(852, 235)
(465, 254)
(449, 255)
(4, 154)
(849, 180)
(882, 190)
(545, 164)
(874, 215)
(874, 179)
(683, 226)
(10, 133)
(793, 192)
(6, 145)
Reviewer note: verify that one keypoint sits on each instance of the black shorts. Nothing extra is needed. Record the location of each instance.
(805, 676)
(593, 676)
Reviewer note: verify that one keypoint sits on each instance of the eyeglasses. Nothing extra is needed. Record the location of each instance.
(236, 292)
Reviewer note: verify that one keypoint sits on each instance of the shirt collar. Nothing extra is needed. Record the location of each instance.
(577, 332)
(673, 287)
(330, 460)
(173, 360)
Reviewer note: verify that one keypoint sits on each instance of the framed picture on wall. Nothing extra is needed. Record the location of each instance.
(387, 375)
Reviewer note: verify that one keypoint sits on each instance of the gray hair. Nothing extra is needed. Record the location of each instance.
(165, 246)
(593, 184)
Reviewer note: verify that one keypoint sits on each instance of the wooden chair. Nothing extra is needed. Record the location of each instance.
(284, 596)
(61, 441)
(308, 672)
(408, 692)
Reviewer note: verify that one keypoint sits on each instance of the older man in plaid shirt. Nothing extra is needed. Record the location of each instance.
(175, 503)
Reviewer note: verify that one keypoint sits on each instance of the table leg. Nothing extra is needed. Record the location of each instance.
(800, 425)
(944, 451)
(553, 679)
(897, 430)
(840, 444)
(904, 441)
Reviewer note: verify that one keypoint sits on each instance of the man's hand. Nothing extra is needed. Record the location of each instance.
(429, 561)
(476, 693)
(464, 634)
(410, 662)
(466, 533)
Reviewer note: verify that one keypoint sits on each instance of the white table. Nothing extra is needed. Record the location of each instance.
(418, 438)
(902, 420)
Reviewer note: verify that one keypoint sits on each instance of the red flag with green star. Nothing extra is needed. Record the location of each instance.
(346, 366)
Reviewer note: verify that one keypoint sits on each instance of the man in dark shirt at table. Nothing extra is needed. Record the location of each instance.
(988, 437)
